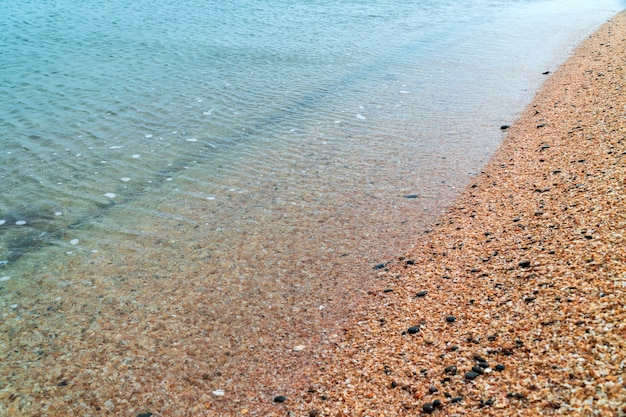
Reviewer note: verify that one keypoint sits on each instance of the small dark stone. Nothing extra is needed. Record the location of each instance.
(483, 365)
(546, 72)
(388, 290)
(450, 370)
(428, 408)
(479, 358)
(62, 384)
(457, 399)
(394, 384)
(499, 367)
(148, 414)
(478, 369)
(524, 264)
(280, 399)
(433, 390)
(541, 125)
(380, 265)
(471, 375)
(422, 293)
(450, 319)
(313, 413)
(411, 196)
(530, 299)
(437, 403)
(504, 127)
(413, 330)
(454, 348)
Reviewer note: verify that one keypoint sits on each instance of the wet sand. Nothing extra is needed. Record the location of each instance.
(522, 281)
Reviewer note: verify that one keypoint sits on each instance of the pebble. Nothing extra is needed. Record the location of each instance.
(110, 195)
(471, 375)
(410, 196)
(74, 242)
(219, 392)
(504, 127)
(450, 319)
(298, 348)
(2, 222)
(3, 279)
(500, 367)
(478, 370)
(280, 399)
(148, 414)
(433, 390)
(413, 329)
(524, 264)
(20, 222)
(422, 293)
(428, 408)
(457, 399)
(450, 370)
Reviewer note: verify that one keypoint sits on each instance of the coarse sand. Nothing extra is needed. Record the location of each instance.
(514, 303)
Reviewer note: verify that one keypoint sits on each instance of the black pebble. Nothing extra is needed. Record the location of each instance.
(457, 399)
(529, 299)
(546, 72)
(524, 264)
(499, 367)
(380, 266)
(144, 414)
(411, 196)
(437, 403)
(280, 399)
(504, 127)
(62, 384)
(313, 413)
(483, 365)
(422, 293)
(428, 408)
(450, 370)
(478, 370)
(471, 375)
(433, 390)
(413, 330)
(450, 319)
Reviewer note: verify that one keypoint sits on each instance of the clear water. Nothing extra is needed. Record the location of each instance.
(270, 143)
(125, 97)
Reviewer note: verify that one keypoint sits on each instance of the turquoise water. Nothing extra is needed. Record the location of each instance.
(116, 98)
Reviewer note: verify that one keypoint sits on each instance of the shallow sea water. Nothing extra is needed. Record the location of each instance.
(197, 187)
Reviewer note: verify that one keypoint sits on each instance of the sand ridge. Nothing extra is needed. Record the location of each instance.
(514, 303)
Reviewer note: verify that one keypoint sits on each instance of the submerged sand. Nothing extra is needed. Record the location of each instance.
(522, 282)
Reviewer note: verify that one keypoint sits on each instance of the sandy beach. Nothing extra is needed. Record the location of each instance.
(513, 304)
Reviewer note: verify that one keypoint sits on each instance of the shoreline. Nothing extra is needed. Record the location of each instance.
(525, 271)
